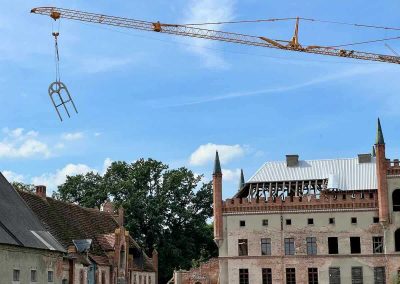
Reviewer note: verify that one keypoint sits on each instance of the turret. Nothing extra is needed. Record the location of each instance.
(241, 181)
(217, 201)
(381, 171)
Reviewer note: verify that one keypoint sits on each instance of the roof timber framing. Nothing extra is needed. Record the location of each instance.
(282, 189)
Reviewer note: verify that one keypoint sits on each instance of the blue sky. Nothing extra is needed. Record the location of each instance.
(142, 94)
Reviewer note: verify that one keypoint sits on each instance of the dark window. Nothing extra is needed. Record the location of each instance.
(344, 196)
(396, 200)
(50, 276)
(33, 276)
(266, 246)
(243, 276)
(379, 275)
(397, 240)
(266, 276)
(242, 246)
(376, 220)
(242, 223)
(356, 275)
(16, 273)
(355, 245)
(353, 220)
(265, 222)
(334, 275)
(311, 245)
(377, 243)
(371, 195)
(312, 275)
(310, 221)
(333, 245)
(122, 258)
(64, 281)
(290, 276)
(331, 220)
(288, 221)
(289, 246)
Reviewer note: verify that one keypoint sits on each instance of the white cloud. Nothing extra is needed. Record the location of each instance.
(231, 175)
(106, 164)
(207, 11)
(20, 144)
(206, 153)
(343, 75)
(72, 136)
(12, 176)
(97, 134)
(52, 180)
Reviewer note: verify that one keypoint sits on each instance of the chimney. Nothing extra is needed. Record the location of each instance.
(108, 207)
(154, 259)
(41, 191)
(121, 216)
(292, 160)
(364, 158)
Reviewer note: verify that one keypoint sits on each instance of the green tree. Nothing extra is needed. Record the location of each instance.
(86, 190)
(23, 186)
(167, 209)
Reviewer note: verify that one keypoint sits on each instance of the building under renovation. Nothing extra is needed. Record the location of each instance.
(312, 221)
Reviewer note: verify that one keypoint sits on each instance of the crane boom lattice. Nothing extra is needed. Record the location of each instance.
(192, 31)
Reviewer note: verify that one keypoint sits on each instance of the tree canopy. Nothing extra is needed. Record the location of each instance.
(167, 209)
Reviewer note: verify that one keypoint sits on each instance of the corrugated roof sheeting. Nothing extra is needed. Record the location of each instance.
(351, 174)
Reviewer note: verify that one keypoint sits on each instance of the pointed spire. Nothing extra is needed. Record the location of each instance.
(379, 134)
(241, 181)
(217, 165)
(373, 151)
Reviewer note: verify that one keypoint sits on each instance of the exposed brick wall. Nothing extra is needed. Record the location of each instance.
(206, 273)
(352, 200)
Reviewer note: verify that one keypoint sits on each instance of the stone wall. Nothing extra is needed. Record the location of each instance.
(25, 260)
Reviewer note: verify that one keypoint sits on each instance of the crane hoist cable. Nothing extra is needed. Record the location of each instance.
(58, 91)
(292, 45)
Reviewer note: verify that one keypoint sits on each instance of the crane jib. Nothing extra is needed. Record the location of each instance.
(190, 31)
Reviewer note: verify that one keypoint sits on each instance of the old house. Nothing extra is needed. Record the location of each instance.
(98, 247)
(312, 221)
(28, 252)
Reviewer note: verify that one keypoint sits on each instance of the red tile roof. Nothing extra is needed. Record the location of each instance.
(67, 222)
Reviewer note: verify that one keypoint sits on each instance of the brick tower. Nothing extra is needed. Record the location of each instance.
(381, 170)
(217, 201)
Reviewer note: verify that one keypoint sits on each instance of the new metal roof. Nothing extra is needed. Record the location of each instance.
(348, 174)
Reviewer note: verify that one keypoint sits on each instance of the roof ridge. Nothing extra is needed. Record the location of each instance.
(310, 160)
(64, 202)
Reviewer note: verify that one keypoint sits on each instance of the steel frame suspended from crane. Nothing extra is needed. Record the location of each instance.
(192, 31)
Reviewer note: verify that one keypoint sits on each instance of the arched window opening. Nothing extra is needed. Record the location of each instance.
(397, 240)
(396, 200)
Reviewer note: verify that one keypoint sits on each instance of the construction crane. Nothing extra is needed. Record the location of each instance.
(193, 31)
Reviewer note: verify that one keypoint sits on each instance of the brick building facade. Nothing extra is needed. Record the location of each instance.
(97, 247)
(316, 221)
